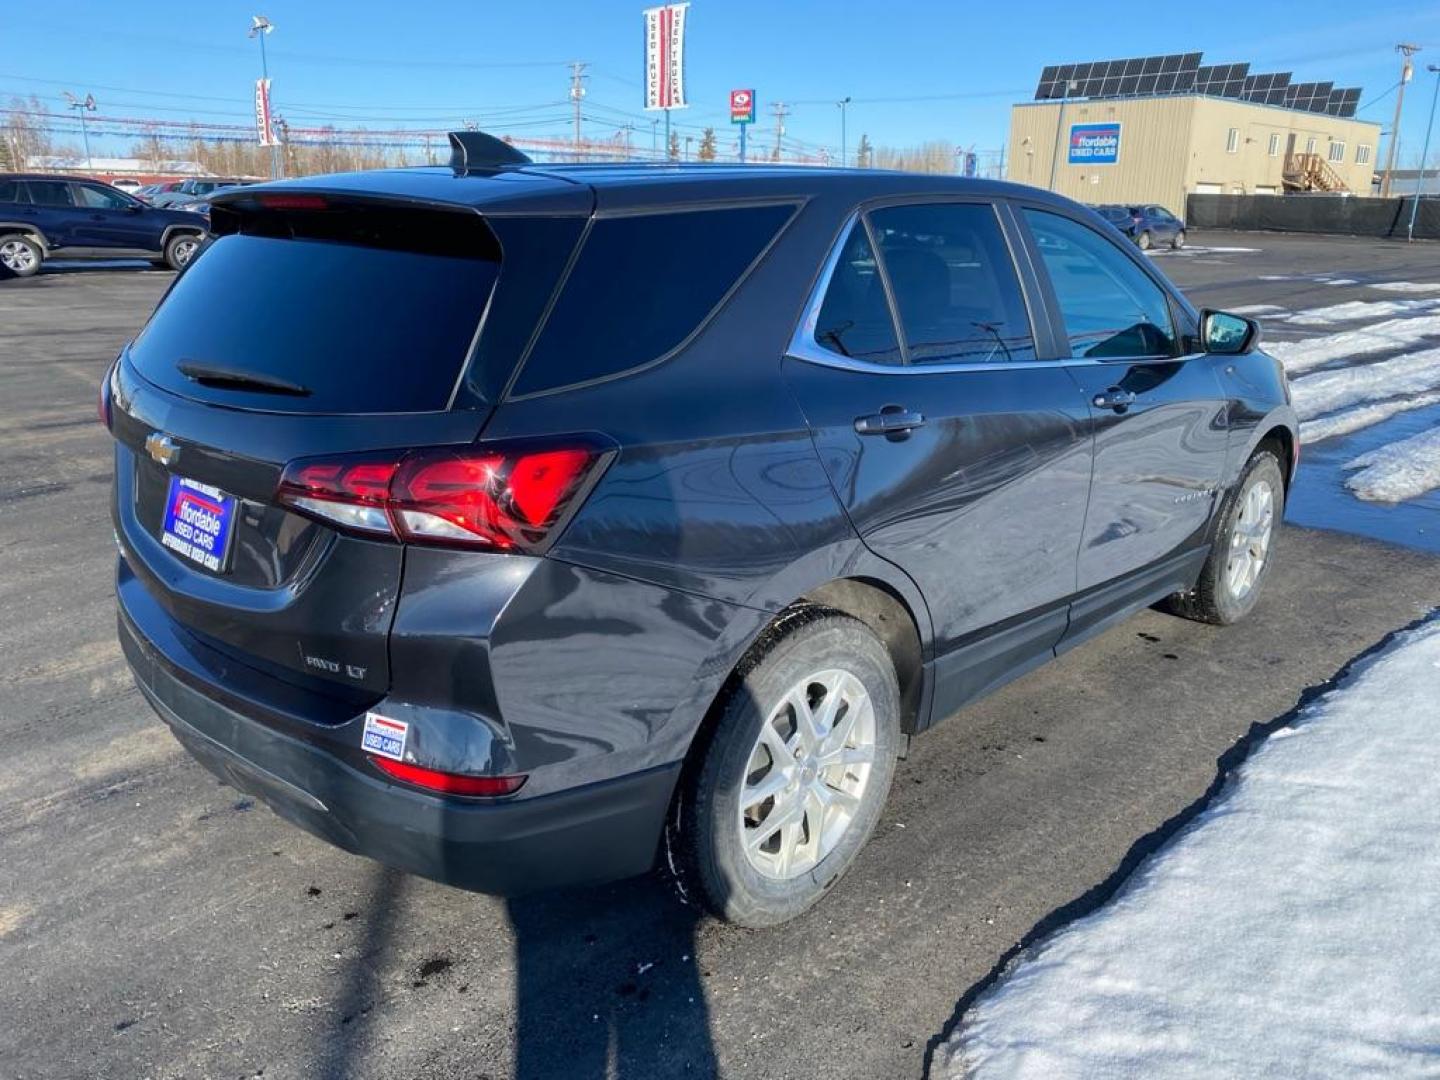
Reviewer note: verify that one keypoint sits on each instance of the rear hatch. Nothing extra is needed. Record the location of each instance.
(313, 326)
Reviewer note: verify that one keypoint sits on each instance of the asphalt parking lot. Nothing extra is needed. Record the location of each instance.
(155, 924)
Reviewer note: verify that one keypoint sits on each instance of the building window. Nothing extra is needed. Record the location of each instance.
(1362, 155)
(1274, 145)
(1337, 150)
(1232, 141)
(1310, 145)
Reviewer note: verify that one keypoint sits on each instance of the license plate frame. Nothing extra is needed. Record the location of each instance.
(197, 524)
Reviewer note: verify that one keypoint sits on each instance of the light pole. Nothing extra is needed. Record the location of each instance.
(260, 26)
(87, 105)
(1059, 129)
(842, 103)
(1425, 153)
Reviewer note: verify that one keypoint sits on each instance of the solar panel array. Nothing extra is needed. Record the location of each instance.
(1182, 73)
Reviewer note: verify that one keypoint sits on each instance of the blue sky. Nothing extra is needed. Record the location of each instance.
(437, 62)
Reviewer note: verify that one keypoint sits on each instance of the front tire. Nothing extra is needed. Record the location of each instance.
(1243, 548)
(1179, 241)
(1143, 241)
(793, 776)
(20, 256)
(180, 249)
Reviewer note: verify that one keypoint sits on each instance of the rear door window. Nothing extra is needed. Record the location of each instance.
(641, 285)
(370, 312)
(1112, 309)
(50, 193)
(956, 289)
(10, 191)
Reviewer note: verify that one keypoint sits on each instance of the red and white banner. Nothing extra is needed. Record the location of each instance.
(264, 128)
(665, 57)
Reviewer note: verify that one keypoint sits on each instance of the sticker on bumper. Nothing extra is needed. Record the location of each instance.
(384, 736)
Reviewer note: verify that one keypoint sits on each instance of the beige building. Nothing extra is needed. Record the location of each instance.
(1172, 145)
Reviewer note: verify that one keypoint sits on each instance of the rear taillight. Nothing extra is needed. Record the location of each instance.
(102, 407)
(501, 499)
(448, 783)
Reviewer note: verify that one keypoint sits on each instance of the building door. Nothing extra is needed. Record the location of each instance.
(1290, 146)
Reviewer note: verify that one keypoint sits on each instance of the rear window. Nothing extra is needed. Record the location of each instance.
(641, 286)
(367, 316)
(9, 191)
(50, 193)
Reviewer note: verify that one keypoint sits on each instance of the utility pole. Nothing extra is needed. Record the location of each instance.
(843, 102)
(1407, 72)
(83, 106)
(779, 110)
(1425, 153)
(654, 136)
(1059, 130)
(577, 94)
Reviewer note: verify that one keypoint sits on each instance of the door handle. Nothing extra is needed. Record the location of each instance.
(890, 420)
(1114, 398)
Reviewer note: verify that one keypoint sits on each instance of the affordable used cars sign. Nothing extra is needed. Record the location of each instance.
(1094, 144)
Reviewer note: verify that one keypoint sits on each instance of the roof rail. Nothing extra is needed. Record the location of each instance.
(474, 150)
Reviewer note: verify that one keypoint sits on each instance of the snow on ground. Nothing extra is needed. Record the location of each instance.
(1326, 391)
(1257, 309)
(1393, 473)
(1298, 356)
(1407, 286)
(1362, 416)
(1355, 310)
(1289, 930)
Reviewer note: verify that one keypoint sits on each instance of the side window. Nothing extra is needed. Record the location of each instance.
(10, 191)
(50, 193)
(641, 285)
(956, 290)
(854, 319)
(96, 198)
(1112, 309)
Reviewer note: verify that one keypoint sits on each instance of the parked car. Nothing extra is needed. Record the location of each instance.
(130, 187)
(193, 188)
(1146, 225)
(149, 191)
(42, 216)
(546, 522)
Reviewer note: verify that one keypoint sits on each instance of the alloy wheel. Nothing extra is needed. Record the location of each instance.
(1250, 539)
(807, 774)
(17, 257)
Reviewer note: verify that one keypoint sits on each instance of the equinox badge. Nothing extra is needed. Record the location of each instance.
(162, 448)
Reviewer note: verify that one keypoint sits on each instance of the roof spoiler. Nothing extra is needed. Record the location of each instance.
(474, 150)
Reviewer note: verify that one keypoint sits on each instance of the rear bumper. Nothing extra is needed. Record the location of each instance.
(589, 833)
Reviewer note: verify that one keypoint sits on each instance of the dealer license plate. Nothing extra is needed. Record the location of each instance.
(198, 523)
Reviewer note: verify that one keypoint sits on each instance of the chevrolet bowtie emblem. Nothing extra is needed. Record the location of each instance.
(162, 448)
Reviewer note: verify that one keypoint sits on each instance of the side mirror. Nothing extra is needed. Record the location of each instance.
(1226, 334)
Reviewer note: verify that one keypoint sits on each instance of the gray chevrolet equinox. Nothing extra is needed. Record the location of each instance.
(524, 525)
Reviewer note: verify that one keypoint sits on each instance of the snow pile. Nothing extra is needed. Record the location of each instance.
(1362, 416)
(1298, 356)
(1325, 391)
(1289, 930)
(1407, 286)
(1398, 471)
(1356, 310)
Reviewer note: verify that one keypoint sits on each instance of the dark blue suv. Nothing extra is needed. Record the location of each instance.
(42, 216)
(523, 525)
(1147, 224)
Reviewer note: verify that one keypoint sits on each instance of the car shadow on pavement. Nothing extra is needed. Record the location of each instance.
(607, 985)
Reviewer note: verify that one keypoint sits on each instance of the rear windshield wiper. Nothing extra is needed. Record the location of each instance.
(234, 378)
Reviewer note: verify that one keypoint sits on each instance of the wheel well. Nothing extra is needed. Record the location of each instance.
(1282, 440)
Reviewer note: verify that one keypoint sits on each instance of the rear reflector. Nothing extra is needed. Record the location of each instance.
(497, 499)
(449, 783)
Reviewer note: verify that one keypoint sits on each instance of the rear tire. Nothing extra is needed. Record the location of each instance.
(1179, 241)
(1143, 241)
(180, 249)
(20, 256)
(1243, 548)
(762, 825)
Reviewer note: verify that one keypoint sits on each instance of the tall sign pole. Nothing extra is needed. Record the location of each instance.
(260, 26)
(742, 112)
(665, 61)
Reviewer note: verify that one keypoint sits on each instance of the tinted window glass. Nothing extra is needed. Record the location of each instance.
(366, 329)
(640, 286)
(50, 193)
(1111, 307)
(9, 191)
(854, 319)
(955, 287)
(99, 199)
